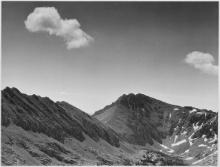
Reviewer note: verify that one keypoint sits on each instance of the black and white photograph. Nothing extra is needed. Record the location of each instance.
(109, 83)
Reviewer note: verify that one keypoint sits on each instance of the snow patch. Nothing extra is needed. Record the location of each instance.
(189, 158)
(186, 151)
(175, 138)
(176, 109)
(184, 133)
(179, 143)
(167, 148)
(200, 113)
(214, 139)
(202, 145)
(193, 110)
(164, 146)
(170, 151)
(195, 126)
(190, 139)
(190, 142)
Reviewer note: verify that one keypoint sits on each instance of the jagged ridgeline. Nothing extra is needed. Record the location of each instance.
(148, 120)
(186, 132)
(58, 120)
(134, 130)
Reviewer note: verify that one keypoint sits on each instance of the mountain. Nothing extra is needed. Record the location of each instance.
(36, 130)
(133, 130)
(188, 132)
(42, 115)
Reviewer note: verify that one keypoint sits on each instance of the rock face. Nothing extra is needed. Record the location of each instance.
(91, 126)
(139, 115)
(57, 120)
(133, 130)
(185, 131)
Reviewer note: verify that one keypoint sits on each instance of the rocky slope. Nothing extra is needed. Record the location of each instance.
(188, 132)
(134, 130)
(42, 115)
(36, 130)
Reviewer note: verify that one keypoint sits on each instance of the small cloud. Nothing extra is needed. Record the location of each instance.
(47, 19)
(202, 61)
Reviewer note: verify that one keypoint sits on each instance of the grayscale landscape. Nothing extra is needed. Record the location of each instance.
(109, 83)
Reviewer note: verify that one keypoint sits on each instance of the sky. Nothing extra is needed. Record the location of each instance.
(90, 53)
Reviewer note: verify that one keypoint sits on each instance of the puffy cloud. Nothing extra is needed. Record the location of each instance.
(47, 19)
(202, 61)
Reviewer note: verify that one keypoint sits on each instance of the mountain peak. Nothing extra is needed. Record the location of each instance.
(134, 119)
(141, 119)
(12, 89)
(42, 115)
(133, 101)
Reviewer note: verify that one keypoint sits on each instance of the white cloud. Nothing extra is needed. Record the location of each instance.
(47, 19)
(202, 61)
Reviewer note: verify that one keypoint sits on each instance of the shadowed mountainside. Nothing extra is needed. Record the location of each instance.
(133, 130)
(40, 114)
(148, 119)
(187, 132)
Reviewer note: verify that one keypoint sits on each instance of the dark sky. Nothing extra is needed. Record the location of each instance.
(138, 47)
